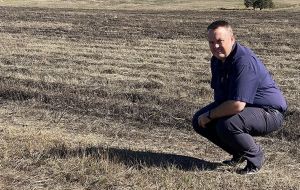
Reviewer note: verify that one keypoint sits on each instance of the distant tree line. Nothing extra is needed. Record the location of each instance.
(261, 4)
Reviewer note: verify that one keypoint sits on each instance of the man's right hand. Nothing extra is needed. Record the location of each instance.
(203, 119)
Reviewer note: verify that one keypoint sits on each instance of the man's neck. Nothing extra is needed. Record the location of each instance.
(232, 47)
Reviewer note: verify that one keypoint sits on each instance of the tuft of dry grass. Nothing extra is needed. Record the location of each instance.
(102, 99)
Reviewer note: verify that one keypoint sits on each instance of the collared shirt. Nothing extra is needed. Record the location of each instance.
(243, 77)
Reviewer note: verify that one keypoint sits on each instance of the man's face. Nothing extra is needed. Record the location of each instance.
(220, 41)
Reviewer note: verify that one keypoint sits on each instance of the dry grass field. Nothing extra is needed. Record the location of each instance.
(103, 98)
(142, 4)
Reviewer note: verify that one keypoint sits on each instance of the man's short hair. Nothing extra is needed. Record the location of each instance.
(219, 23)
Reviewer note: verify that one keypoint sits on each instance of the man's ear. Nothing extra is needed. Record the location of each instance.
(232, 38)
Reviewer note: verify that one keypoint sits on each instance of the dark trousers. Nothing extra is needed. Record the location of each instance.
(234, 134)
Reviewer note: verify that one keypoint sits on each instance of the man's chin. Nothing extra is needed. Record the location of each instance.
(220, 56)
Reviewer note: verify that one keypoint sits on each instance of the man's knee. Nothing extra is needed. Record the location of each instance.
(228, 126)
(195, 122)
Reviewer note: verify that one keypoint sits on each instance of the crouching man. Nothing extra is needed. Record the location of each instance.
(247, 102)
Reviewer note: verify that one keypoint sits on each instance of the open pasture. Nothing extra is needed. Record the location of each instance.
(103, 99)
(143, 4)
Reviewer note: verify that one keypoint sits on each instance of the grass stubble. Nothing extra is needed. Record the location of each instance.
(99, 99)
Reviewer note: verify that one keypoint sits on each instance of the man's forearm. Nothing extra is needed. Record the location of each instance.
(227, 108)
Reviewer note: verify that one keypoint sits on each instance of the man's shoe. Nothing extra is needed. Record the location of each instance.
(248, 170)
(234, 161)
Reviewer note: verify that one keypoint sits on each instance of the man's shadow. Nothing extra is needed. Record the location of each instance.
(138, 159)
